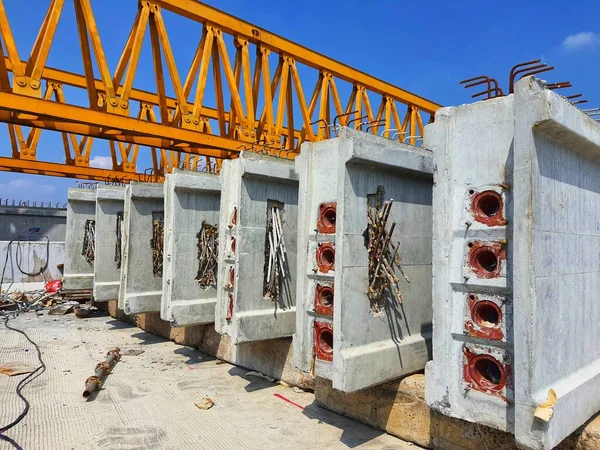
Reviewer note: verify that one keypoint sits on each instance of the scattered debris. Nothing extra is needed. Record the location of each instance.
(259, 375)
(11, 369)
(53, 286)
(284, 384)
(60, 310)
(205, 403)
(220, 361)
(133, 352)
(83, 311)
(285, 399)
(546, 410)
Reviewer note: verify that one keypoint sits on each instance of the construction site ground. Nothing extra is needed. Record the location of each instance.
(148, 401)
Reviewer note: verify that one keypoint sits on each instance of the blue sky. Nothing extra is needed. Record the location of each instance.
(423, 46)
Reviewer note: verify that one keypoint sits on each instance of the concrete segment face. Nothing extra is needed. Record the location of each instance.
(557, 265)
(110, 202)
(141, 288)
(516, 322)
(351, 340)
(470, 376)
(81, 207)
(252, 186)
(192, 200)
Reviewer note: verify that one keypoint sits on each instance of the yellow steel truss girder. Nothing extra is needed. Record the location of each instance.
(71, 171)
(33, 112)
(183, 126)
(203, 13)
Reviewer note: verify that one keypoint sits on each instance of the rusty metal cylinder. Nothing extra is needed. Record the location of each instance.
(102, 369)
(92, 384)
(113, 356)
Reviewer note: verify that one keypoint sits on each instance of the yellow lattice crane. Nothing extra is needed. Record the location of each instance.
(268, 109)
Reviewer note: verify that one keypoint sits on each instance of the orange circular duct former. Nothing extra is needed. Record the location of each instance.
(324, 300)
(486, 373)
(323, 341)
(327, 218)
(325, 257)
(486, 259)
(488, 208)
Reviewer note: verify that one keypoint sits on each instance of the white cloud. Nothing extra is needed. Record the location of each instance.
(28, 185)
(101, 162)
(581, 40)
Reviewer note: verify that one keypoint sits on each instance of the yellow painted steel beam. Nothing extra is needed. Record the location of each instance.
(70, 171)
(29, 111)
(203, 13)
(78, 81)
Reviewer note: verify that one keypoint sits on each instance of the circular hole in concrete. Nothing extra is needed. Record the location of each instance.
(326, 341)
(328, 256)
(472, 297)
(486, 314)
(325, 257)
(471, 191)
(487, 260)
(487, 372)
(326, 296)
(328, 217)
(488, 203)
(470, 244)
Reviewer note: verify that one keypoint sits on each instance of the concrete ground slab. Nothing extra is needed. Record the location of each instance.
(148, 400)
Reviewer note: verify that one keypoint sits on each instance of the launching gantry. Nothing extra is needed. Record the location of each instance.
(248, 105)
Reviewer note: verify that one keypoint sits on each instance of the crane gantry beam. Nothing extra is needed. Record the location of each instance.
(265, 108)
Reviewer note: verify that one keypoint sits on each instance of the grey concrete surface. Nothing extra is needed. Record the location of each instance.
(31, 257)
(140, 290)
(473, 152)
(81, 206)
(556, 265)
(30, 224)
(148, 401)
(110, 203)
(540, 155)
(250, 184)
(191, 198)
(393, 340)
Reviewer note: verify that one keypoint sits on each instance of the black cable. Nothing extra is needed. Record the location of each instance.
(24, 382)
(5, 264)
(42, 268)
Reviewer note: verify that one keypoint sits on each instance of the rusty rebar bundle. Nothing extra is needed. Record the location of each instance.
(208, 251)
(275, 253)
(119, 243)
(383, 254)
(157, 246)
(89, 241)
(102, 369)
